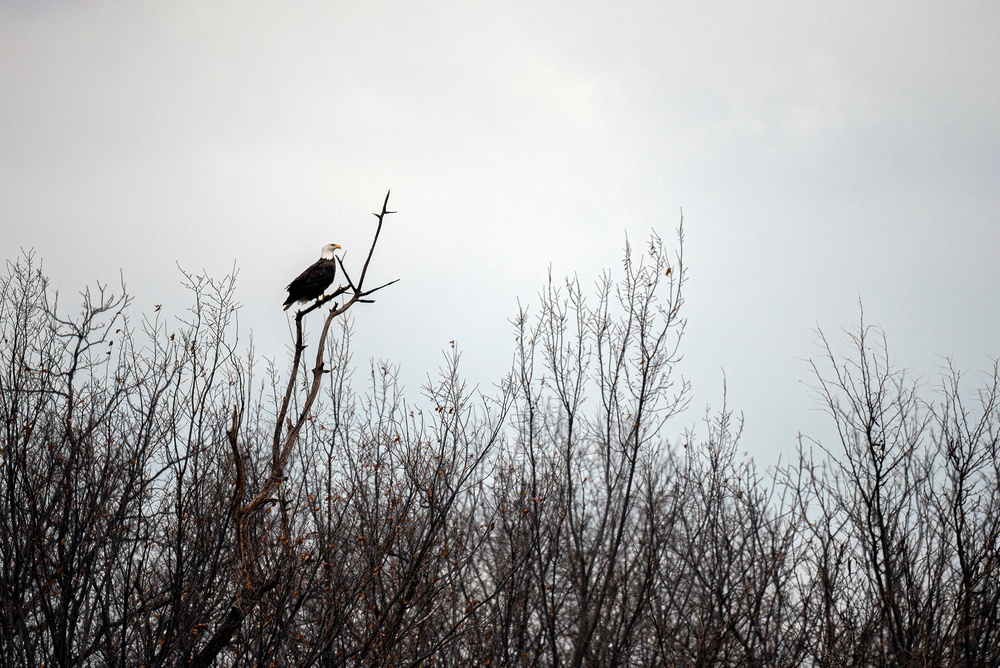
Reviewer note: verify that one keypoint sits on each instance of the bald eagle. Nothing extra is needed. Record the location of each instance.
(312, 282)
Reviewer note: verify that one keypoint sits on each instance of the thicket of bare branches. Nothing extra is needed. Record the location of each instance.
(169, 499)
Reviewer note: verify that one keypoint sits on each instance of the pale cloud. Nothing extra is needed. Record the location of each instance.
(820, 151)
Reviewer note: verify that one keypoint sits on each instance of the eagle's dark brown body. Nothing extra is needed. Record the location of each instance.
(314, 281)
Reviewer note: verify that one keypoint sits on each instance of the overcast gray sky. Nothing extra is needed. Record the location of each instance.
(822, 152)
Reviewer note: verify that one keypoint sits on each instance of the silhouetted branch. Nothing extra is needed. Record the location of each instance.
(256, 585)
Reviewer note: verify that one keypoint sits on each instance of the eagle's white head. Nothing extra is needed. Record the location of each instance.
(328, 249)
